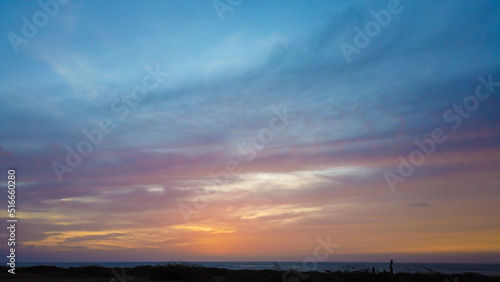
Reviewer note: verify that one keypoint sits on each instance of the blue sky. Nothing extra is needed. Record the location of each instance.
(226, 80)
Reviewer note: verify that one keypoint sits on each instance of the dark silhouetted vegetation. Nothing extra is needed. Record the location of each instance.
(181, 271)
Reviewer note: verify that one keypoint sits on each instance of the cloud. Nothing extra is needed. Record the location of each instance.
(323, 172)
(93, 237)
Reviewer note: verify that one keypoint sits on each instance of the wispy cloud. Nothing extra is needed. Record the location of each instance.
(322, 174)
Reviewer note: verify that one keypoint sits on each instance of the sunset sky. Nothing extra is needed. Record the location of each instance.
(309, 119)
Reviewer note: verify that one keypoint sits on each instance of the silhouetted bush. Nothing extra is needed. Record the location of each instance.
(182, 271)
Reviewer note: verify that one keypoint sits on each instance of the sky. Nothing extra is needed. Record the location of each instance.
(251, 130)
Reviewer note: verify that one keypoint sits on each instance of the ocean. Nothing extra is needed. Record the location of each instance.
(446, 268)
